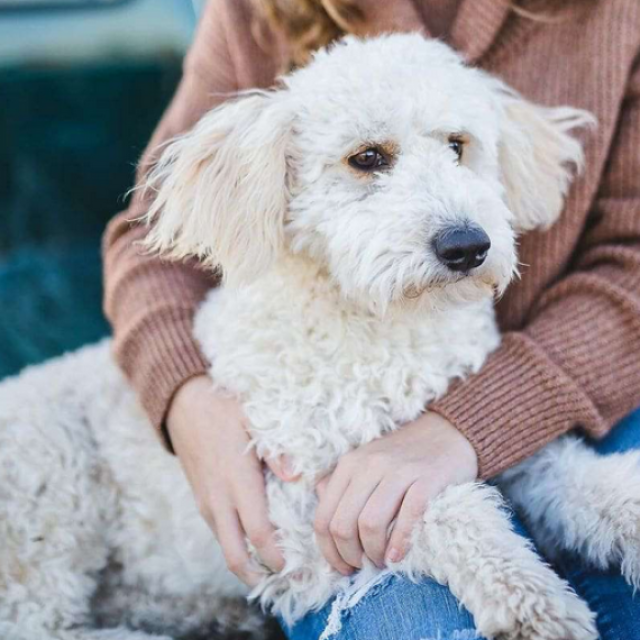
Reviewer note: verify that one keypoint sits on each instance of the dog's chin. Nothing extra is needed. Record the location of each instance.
(428, 294)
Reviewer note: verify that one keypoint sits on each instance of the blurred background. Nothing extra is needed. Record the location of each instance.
(82, 85)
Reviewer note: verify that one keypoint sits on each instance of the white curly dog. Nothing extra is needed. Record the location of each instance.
(365, 214)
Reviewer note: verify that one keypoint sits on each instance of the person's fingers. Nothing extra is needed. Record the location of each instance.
(206, 511)
(411, 512)
(281, 467)
(321, 487)
(232, 540)
(260, 532)
(344, 524)
(332, 489)
(376, 518)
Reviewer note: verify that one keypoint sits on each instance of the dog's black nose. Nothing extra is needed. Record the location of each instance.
(462, 248)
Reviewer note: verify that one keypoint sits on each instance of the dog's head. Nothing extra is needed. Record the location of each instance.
(386, 161)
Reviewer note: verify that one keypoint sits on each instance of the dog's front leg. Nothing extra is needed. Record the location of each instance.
(467, 542)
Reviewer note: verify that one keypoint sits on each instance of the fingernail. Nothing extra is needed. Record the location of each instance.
(393, 555)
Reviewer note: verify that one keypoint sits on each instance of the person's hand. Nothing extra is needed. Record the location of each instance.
(209, 435)
(390, 479)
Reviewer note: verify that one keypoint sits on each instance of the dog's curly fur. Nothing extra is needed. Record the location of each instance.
(336, 323)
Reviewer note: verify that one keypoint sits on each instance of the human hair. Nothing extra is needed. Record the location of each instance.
(309, 25)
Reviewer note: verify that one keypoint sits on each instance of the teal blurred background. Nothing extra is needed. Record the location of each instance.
(81, 89)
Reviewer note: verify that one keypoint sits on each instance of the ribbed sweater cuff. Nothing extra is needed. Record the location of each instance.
(516, 404)
(159, 356)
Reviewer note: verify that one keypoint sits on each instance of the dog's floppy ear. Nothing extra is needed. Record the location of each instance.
(538, 157)
(220, 191)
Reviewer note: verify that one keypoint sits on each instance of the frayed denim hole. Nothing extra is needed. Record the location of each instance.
(359, 590)
(376, 589)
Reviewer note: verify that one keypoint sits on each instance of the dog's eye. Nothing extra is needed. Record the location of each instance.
(457, 145)
(368, 160)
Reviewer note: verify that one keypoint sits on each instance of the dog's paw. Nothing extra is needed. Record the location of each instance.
(566, 618)
(540, 610)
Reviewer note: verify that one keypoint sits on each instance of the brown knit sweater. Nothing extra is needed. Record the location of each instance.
(571, 350)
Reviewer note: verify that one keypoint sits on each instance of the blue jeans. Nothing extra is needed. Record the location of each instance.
(398, 609)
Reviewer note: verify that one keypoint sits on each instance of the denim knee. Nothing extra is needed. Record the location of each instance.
(394, 609)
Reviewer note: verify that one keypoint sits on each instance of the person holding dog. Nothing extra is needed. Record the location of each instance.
(571, 325)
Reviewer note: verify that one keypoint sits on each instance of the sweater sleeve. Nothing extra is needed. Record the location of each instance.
(150, 302)
(576, 362)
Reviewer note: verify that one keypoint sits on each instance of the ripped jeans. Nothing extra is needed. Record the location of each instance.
(398, 609)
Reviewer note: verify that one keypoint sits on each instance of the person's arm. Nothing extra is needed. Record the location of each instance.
(151, 304)
(575, 363)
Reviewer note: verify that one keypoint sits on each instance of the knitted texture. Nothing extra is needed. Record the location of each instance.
(571, 323)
